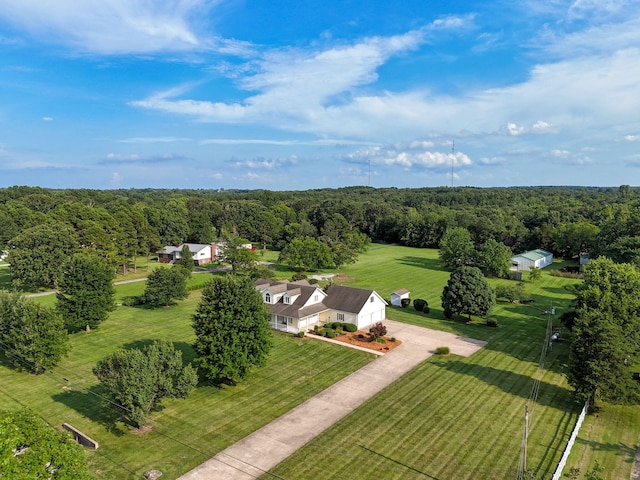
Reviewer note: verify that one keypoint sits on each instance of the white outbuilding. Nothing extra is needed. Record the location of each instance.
(534, 258)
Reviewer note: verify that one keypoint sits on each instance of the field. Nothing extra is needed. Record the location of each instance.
(451, 417)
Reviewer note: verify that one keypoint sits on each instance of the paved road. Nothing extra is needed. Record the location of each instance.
(264, 449)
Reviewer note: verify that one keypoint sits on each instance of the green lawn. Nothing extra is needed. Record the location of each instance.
(455, 417)
(186, 432)
(451, 417)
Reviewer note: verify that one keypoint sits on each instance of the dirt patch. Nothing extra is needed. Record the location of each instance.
(341, 277)
(365, 342)
(143, 430)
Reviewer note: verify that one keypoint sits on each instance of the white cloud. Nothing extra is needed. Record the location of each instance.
(112, 26)
(47, 119)
(144, 140)
(632, 138)
(406, 156)
(262, 163)
(560, 153)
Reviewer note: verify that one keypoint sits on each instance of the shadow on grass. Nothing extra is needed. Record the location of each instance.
(510, 382)
(620, 449)
(428, 263)
(188, 353)
(399, 463)
(92, 404)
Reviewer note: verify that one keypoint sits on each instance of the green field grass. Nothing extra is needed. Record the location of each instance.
(451, 417)
(462, 418)
(186, 432)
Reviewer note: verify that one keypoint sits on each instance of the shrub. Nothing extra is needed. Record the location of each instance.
(350, 327)
(492, 322)
(393, 339)
(329, 334)
(316, 328)
(301, 334)
(298, 276)
(360, 335)
(339, 331)
(404, 302)
(313, 281)
(378, 330)
(336, 325)
(420, 304)
(378, 340)
(442, 351)
(426, 310)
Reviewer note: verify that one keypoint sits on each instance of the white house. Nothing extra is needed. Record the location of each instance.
(201, 253)
(299, 306)
(398, 295)
(534, 258)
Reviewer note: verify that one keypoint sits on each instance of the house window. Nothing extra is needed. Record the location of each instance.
(315, 298)
(371, 299)
(267, 297)
(340, 317)
(286, 299)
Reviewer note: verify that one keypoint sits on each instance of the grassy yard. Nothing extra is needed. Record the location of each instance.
(185, 432)
(462, 418)
(451, 417)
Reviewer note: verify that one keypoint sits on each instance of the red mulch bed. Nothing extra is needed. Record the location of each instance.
(353, 339)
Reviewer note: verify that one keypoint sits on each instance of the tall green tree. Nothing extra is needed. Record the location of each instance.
(165, 285)
(606, 332)
(306, 254)
(186, 258)
(140, 379)
(86, 292)
(231, 325)
(495, 258)
(32, 449)
(32, 336)
(456, 248)
(36, 255)
(467, 293)
(234, 251)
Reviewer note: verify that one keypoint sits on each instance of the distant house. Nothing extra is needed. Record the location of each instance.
(398, 295)
(201, 253)
(534, 258)
(299, 306)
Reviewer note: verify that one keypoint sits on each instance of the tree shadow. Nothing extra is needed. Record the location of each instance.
(427, 263)
(620, 449)
(509, 382)
(188, 353)
(93, 404)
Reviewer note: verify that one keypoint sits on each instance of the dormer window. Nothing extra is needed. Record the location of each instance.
(286, 298)
(267, 297)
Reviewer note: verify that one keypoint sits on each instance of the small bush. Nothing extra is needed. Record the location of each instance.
(404, 302)
(426, 310)
(393, 339)
(336, 325)
(360, 335)
(339, 331)
(378, 340)
(420, 304)
(492, 322)
(350, 327)
(316, 328)
(301, 334)
(313, 281)
(378, 330)
(442, 351)
(298, 276)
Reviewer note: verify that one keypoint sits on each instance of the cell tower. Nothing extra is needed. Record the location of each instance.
(453, 158)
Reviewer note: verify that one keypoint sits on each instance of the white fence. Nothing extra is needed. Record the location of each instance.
(565, 455)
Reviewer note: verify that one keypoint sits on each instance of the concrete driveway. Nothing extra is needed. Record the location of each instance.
(265, 448)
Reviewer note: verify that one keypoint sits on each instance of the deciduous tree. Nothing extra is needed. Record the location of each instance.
(186, 258)
(306, 254)
(495, 258)
(86, 293)
(32, 336)
(165, 285)
(231, 324)
(140, 379)
(467, 293)
(32, 449)
(456, 248)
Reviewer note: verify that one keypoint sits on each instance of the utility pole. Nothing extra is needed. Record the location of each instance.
(453, 158)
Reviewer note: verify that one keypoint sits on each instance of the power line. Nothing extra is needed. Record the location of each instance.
(31, 364)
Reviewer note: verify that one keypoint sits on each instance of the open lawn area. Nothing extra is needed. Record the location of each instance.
(186, 432)
(450, 417)
(462, 418)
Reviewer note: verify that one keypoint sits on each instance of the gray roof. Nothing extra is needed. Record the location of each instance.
(295, 309)
(402, 291)
(347, 299)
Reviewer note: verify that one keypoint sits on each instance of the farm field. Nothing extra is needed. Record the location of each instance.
(455, 417)
(451, 417)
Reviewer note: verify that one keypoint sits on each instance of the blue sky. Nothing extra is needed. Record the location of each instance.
(296, 95)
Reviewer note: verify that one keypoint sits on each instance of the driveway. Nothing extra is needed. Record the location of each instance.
(265, 448)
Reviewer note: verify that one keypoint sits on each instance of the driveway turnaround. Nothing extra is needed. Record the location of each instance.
(257, 453)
